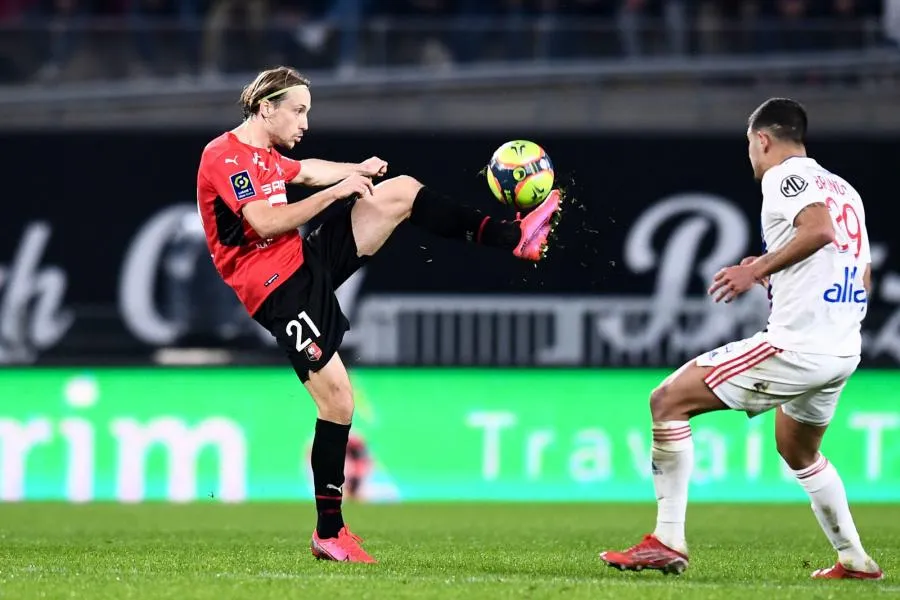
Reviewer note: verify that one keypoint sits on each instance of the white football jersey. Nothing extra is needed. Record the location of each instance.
(818, 303)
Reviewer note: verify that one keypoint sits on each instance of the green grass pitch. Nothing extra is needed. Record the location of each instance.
(469, 551)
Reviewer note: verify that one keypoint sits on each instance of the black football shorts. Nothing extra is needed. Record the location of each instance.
(303, 313)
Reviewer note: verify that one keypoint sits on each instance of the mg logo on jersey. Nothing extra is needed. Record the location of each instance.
(793, 185)
(845, 293)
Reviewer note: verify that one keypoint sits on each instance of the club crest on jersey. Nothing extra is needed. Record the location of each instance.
(242, 185)
(313, 352)
(793, 185)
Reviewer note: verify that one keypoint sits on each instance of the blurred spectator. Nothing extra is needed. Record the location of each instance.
(13, 10)
(633, 15)
(636, 18)
(340, 19)
(65, 29)
(492, 31)
(711, 18)
(849, 15)
(255, 14)
(892, 21)
(791, 31)
(675, 14)
(552, 39)
(348, 16)
(344, 34)
(151, 22)
(435, 40)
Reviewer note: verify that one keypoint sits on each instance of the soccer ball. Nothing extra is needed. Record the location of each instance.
(520, 174)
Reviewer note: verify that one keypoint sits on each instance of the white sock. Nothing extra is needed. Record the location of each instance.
(673, 459)
(829, 503)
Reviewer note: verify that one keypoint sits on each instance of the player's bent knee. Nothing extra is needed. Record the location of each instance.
(660, 400)
(401, 187)
(407, 184)
(396, 195)
(332, 392)
(796, 456)
(335, 402)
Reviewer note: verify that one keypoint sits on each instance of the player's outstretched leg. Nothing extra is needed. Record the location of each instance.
(798, 443)
(527, 237)
(403, 197)
(680, 397)
(330, 388)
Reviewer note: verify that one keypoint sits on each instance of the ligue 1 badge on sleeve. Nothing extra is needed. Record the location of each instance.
(242, 185)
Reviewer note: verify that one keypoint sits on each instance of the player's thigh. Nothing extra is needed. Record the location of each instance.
(334, 245)
(707, 383)
(305, 318)
(332, 392)
(826, 377)
(748, 375)
(801, 422)
(683, 395)
(375, 217)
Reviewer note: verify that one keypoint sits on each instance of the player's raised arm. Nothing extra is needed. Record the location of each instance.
(316, 172)
(268, 220)
(813, 231)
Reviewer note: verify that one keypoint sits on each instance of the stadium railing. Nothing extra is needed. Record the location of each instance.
(128, 70)
(72, 49)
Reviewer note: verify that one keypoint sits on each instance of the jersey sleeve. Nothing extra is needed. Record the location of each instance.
(291, 168)
(233, 180)
(788, 192)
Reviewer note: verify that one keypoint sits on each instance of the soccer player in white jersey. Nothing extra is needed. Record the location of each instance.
(816, 268)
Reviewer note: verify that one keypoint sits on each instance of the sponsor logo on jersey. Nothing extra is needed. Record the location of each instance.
(845, 292)
(274, 187)
(793, 185)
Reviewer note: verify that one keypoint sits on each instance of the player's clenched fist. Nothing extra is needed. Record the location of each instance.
(355, 185)
(373, 167)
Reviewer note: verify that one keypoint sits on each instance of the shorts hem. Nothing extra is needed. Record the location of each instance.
(810, 422)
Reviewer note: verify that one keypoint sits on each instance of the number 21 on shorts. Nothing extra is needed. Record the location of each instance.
(296, 328)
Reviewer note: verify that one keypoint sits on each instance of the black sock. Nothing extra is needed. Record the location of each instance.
(329, 451)
(443, 217)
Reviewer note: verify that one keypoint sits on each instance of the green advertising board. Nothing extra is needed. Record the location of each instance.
(244, 434)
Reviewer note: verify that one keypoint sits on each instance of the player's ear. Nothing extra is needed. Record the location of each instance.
(265, 109)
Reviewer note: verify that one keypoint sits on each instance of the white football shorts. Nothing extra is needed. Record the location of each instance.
(753, 376)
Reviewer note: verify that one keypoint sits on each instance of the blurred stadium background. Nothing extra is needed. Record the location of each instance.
(131, 373)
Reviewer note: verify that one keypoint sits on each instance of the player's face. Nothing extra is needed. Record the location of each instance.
(288, 120)
(757, 142)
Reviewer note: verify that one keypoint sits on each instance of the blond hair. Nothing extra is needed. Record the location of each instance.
(267, 86)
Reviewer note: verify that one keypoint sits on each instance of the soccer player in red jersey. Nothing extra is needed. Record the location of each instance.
(287, 282)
